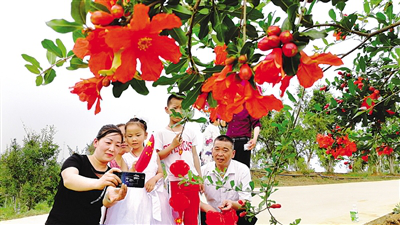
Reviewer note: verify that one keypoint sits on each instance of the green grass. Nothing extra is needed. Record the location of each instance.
(8, 212)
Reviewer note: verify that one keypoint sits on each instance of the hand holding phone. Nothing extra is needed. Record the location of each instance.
(131, 179)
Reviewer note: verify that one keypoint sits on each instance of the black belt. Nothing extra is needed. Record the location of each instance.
(241, 139)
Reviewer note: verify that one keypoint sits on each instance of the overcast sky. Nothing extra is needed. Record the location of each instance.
(24, 105)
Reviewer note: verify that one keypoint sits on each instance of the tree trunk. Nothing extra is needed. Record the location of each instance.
(391, 163)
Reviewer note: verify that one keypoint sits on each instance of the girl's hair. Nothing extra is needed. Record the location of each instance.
(137, 121)
(109, 129)
(120, 125)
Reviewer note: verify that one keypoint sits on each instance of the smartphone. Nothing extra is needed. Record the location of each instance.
(131, 179)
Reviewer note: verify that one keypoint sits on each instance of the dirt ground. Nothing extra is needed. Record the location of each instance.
(297, 179)
(389, 219)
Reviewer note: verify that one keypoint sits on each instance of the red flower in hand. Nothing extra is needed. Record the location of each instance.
(179, 167)
(214, 218)
(226, 217)
(230, 217)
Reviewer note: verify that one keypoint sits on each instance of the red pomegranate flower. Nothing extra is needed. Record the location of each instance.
(94, 45)
(88, 91)
(140, 40)
(309, 70)
(221, 54)
(324, 141)
(270, 70)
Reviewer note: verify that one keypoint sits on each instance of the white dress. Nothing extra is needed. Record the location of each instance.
(140, 206)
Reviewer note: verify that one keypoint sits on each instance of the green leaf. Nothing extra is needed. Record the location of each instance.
(32, 69)
(361, 63)
(352, 87)
(314, 34)
(49, 76)
(204, 11)
(76, 63)
(51, 57)
(77, 34)
(369, 101)
(78, 11)
(210, 179)
(292, 11)
(246, 48)
(232, 183)
(332, 14)
(284, 4)
(211, 101)
(291, 64)
(215, 69)
(286, 25)
(61, 46)
(167, 80)
(254, 14)
(307, 21)
(251, 185)
(181, 9)
(395, 81)
(118, 88)
(317, 107)
(291, 98)
(187, 82)
(199, 120)
(63, 26)
(39, 80)
(367, 9)
(333, 103)
(31, 60)
(176, 67)
(251, 31)
(139, 86)
(49, 45)
(178, 35)
(204, 28)
(191, 96)
(381, 17)
(340, 5)
(94, 6)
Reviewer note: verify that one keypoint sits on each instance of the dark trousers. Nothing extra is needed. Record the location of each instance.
(241, 220)
(241, 155)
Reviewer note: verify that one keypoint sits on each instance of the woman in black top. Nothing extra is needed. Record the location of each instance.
(87, 182)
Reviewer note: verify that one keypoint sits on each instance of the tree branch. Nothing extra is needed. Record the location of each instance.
(189, 34)
(58, 61)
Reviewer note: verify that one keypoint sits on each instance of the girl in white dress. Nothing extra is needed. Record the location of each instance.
(148, 205)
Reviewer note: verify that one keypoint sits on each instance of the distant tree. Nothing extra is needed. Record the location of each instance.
(29, 173)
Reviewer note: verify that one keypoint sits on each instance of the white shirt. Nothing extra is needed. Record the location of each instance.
(163, 139)
(238, 172)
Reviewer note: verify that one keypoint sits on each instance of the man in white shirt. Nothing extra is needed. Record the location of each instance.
(224, 167)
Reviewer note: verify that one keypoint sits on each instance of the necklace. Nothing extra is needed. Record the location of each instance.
(135, 154)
